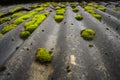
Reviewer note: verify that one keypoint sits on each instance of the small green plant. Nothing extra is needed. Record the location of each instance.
(101, 9)
(18, 14)
(88, 34)
(18, 21)
(24, 34)
(15, 9)
(1, 35)
(35, 22)
(62, 6)
(39, 9)
(79, 17)
(23, 18)
(75, 9)
(60, 11)
(43, 55)
(7, 28)
(31, 28)
(91, 11)
(97, 16)
(58, 18)
(73, 4)
(2, 20)
(88, 8)
(115, 9)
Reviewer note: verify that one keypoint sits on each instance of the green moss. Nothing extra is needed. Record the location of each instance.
(18, 14)
(60, 12)
(31, 28)
(90, 4)
(54, 4)
(73, 4)
(23, 18)
(34, 6)
(79, 17)
(35, 22)
(46, 13)
(1, 35)
(39, 9)
(24, 34)
(2, 20)
(75, 9)
(102, 9)
(88, 8)
(58, 18)
(7, 28)
(15, 9)
(62, 6)
(88, 34)
(18, 21)
(91, 11)
(97, 16)
(115, 9)
(1, 14)
(43, 55)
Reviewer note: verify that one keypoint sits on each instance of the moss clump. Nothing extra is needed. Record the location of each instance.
(88, 8)
(31, 28)
(23, 18)
(60, 11)
(39, 9)
(62, 6)
(115, 9)
(91, 11)
(90, 4)
(88, 34)
(35, 22)
(97, 16)
(1, 35)
(7, 28)
(15, 9)
(58, 18)
(43, 55)
(101, 9)
(2, 20)
(75, 9)
(18, 21)
(73, 4)
(18, 14)
(79, 17)
(24, 34)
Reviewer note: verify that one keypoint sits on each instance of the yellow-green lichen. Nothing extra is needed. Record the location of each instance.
(24, 34)
(88, 34)
(58, 18)
(79, 17)
(7, 28)
(43, 55)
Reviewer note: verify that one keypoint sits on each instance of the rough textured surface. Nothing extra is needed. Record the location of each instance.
(73, 57)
